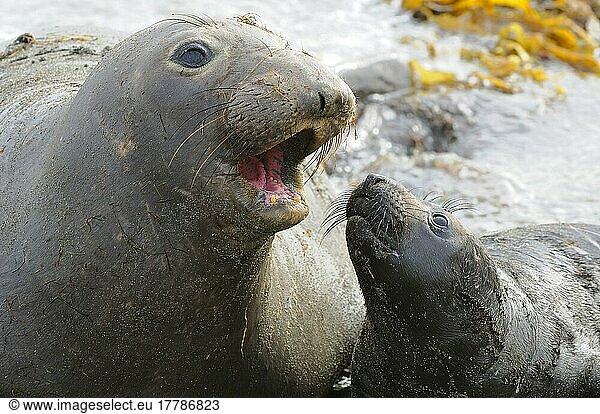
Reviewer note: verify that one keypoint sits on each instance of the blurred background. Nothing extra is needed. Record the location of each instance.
(496, 102)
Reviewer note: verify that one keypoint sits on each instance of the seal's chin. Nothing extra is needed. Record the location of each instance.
(361, 235)
(371, 257)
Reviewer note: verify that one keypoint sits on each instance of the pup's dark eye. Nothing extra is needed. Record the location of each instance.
(193, 55)
(439, 220)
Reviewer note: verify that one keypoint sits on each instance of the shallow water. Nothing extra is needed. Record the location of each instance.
(523, 158)
(526, 158)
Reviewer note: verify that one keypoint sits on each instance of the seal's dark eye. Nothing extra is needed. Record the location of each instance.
(439, 220)
(193, 55)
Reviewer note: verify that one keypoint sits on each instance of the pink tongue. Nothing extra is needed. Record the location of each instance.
(264, 171)
(253, 170)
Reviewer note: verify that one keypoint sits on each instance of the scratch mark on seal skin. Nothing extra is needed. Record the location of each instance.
(50, 303)
(127, 238)
(21, 265)
(90, 220)
(162, 123)
(79, 311)
(9, 310)
(593, 242)
(245, 329)
(168, 261)
(60, 254)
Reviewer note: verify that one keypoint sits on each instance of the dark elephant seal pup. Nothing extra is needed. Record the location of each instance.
(514, 313)
(143, 241)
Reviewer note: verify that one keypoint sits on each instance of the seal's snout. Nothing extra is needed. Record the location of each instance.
(305, 113)
(386, 209)
(335, 103)
(377, 202)
(375, 192)
(324, 96)
(374, 179)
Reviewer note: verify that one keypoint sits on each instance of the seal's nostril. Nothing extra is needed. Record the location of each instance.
(321, 102)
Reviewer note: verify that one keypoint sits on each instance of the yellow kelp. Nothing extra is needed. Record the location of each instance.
(494, 82)
(424, 78)
(501, 64)
(523, 30)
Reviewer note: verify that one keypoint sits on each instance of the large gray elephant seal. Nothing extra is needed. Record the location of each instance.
(143, 241)
(514, 313)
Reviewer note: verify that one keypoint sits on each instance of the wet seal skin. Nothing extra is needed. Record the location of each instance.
(513, 313)
(150, 242)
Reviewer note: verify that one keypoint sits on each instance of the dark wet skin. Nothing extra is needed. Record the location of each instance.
(514, 313)
(138, 247)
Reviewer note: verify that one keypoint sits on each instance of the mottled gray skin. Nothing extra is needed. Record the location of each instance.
(514, 313)
(121, 274)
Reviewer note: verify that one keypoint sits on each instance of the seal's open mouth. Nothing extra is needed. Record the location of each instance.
(276, 173)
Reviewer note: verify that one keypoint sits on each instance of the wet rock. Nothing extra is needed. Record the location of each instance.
(25, 38)
(408, 135)
(389, 109)
(416, 123)
(376, 77)
(421, 126)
